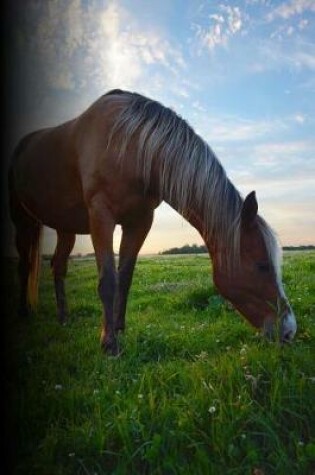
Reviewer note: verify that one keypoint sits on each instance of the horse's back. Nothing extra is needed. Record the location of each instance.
(58, 170)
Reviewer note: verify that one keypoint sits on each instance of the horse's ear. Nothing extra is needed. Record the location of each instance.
(249, 209)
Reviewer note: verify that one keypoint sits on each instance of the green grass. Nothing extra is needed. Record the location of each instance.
(196, 390)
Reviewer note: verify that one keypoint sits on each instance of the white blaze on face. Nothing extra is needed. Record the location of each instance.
(288, 324)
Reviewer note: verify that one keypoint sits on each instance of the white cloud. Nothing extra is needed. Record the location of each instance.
(302, 24)
(290, 30)
(217, 18)
(235, 129)
(224, 25)
(299, 118)
(74, 21)
(214, 37)
(110, 50)
(304, 59)
(53, 41)
(234, 18)
(196, 105)
(279, 153)
(103, 46)
(121, 54)
(273, 165)
(291, 8)
(272, 55)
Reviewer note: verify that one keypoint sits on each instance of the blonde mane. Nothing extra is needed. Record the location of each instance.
(189, 172)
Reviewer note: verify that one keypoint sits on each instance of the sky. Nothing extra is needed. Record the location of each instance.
(242, 73)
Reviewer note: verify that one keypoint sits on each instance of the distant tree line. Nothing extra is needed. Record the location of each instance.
(299, 248)
(187, 249)
(194, 249)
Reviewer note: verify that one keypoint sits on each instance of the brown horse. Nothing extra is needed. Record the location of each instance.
(114, 164)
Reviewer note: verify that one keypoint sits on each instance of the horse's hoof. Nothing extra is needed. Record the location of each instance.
(62, 320)
(110, 347)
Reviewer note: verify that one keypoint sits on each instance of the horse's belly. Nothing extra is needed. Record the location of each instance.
(74, 219)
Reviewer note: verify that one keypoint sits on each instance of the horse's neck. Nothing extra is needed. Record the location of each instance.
(195, 217)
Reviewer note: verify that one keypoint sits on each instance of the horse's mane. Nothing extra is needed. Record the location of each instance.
(189, 171)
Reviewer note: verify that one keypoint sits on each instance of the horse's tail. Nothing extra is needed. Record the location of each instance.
(34, 261)
(28, 232)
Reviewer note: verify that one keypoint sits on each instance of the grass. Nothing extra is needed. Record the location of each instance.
(195, 391)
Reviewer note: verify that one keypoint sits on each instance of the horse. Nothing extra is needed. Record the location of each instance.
(113, 165)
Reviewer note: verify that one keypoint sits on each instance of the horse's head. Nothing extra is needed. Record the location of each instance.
(254, 285)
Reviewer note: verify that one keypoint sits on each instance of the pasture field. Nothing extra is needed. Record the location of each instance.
(196, 390)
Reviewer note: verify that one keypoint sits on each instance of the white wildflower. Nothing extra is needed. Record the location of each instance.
(202, 356)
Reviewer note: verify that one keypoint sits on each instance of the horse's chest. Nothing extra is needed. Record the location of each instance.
(130, 207)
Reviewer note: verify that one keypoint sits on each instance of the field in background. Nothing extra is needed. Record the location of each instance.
(196, 390)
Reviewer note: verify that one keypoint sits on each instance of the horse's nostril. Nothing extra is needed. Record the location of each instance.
(287, 337)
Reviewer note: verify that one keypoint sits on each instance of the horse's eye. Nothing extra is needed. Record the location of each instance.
(263, 266)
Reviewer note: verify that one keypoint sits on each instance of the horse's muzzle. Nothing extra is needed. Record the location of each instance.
(288, 327)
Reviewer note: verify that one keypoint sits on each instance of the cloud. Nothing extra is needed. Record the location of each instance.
(110, 50)
(57, 35)
(280, 153)
(273, 167)
(122, 54)
(303, 24)
(78, 45)
(304, 58)
(298, 55)
(283, 31)
(299, 118)
(226, 129)
(288, 9)
(199, 107)
(223, 26)
(75, 23)
(214, 37)
(252, 151)
(234, 18)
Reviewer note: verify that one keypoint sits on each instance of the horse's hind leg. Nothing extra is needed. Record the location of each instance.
(59, 265)
(133, 236)
(27, 238)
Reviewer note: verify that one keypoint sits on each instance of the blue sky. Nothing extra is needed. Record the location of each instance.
(241, 72)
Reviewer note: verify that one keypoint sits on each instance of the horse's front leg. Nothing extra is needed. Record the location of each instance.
(125, 273)
(102, 227)
(133, 236)
(106, 290)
